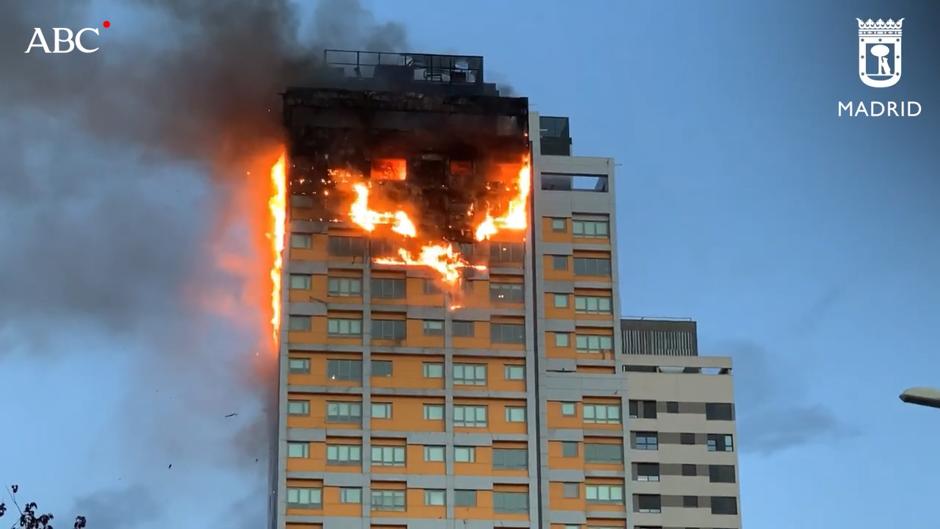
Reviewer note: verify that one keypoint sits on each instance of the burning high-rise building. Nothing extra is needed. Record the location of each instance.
(451, 352)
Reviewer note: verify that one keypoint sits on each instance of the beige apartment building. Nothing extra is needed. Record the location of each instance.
(517, 398)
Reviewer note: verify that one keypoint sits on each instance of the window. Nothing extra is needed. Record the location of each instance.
(344, 327)
(300, 240)
(559, 224)
(434, 453)
(571, 490)
(433, 327)
(604, 493)
(719, 411)
(345, 246)
(343, 454)
(465, 454)
(562, 339)
(300, 281)
(470, 374)
(591, 266)
(569, 409)
(647, 471)
(574, 182)
(569, 449)
(719, 442)
(560, 301)
(298, 407)
(429, 286)
(298, 365)
(721, 473)
(645, 441)
(593, 343)
(506, 252)
(304, 497)
(350, 495)
(343, 412)
(559, 262)
(672, 407)
(592, 304)
(724, 505)
(642, 409)
(649, 503)
(507, 333)
(298, 323)
(513, 372)
(463, 328)
(689, 470)
(603, 453)
(381, 368)
(506, 292)
(690, 502)
(344, 369)
(465, 498)
(470, 416)
(388, 456)
(432, 370)
(381, 410)
(433, 412)
(515, 413)
(589, 182)
(602, 413)
(509, 458)
(510, 501)
(298, 449)
(388, 329)
(344, 286)
(687, 438)
(590, 228)
(434, 497)
(388, 500)
(388, 288)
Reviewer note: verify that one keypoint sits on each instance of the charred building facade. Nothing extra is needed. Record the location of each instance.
(452, 352)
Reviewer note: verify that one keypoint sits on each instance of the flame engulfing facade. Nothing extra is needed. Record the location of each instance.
(449, 349)
(416, 151)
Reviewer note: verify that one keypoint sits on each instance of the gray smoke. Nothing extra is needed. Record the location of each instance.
(120, 176)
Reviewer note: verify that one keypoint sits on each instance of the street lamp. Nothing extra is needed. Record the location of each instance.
(923, 396)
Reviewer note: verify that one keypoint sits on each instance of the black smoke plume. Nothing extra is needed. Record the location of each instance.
(127, 241)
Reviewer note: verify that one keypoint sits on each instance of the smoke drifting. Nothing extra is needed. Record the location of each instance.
(133, 192)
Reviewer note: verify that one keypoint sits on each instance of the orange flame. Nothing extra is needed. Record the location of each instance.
(443, 258)
(440, 257)
(367, 218)
(516, 216)
(277, 205)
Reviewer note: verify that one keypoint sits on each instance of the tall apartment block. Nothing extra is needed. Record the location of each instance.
(514, 396)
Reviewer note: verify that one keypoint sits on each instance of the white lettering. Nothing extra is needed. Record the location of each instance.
(877, 109)
(78, 40)
(37, 35)
(58, 32)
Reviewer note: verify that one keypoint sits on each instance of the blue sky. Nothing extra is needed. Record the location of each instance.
(805, 245)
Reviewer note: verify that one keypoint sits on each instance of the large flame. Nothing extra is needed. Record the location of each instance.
(367, 218)
(440, 257)
(516, 217)
(277, 205)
